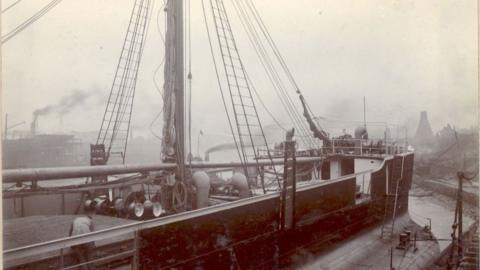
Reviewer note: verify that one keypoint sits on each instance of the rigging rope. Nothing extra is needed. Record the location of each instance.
(157, 87)
(29, 21)
(269, 61)
(272, 74)
(189, 77)
(123, 79)
(263, 104)
(243, 104)
(218, 80)
(122, 92)
(131, 87)
(12, 5)
(170, 149)
(222, 26)
(263, 28)
(171, 79)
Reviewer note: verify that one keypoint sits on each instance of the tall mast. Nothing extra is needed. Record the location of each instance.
(364, 114)
(179, 88)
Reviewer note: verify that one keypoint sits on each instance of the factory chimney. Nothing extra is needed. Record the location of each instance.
(33, 126)
(424, 135)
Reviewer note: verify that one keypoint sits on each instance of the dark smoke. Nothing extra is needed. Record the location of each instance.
(43, 111)
(66, 104)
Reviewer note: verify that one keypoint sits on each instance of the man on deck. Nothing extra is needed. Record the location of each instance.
(80, 225)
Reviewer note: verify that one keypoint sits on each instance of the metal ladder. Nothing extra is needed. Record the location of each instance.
(391, 201)
(471, 256)
(249, 132)
(115, 127)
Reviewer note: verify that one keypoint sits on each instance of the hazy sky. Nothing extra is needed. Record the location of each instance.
(404, 56)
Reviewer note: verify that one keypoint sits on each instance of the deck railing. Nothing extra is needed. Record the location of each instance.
(357, 147)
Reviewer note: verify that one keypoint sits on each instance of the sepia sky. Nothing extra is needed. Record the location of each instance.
(403, 56)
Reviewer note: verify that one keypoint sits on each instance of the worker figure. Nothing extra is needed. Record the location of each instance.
(80, 225)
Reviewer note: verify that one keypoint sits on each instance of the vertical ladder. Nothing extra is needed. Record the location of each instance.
(471, 256)
(115, 127)
(249, 131)
(391, 199)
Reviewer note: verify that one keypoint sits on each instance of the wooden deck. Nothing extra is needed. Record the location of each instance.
(27, 231)
(31, 230)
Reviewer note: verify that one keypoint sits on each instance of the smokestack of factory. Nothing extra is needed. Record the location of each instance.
(33, 126)
(67, 103)
(424, 134)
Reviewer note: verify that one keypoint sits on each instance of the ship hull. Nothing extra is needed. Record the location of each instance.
(246, 234)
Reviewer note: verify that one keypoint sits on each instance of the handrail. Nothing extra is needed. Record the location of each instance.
(357, 148)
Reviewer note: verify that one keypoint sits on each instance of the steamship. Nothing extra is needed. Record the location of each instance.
(344, 198)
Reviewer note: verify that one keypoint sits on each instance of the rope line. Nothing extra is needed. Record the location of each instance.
(189, 77)
(263, 105)
(12, 5)
(218, 80)
(29, 21)
(272, 74)
(118, 111)
(239, 87)
(157, 87)
(270, 41)
(268, 37)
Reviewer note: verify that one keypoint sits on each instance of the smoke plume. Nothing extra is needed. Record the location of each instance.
(66, 104)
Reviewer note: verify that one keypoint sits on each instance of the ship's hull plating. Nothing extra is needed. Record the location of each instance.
(247, 236)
